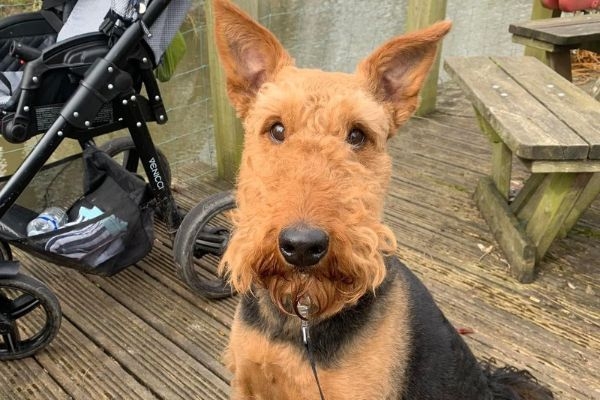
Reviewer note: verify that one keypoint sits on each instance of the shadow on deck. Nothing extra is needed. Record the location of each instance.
(143, 335)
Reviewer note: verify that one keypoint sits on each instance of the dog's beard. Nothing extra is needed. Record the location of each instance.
(345, 274)
(324, 289)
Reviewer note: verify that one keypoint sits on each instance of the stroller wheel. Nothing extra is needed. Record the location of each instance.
(123, 150)
(29, 317)
(201, 238)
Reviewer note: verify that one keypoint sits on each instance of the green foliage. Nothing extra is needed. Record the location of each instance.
(11, 7)
(171, 58)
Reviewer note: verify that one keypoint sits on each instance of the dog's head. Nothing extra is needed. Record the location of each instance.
(314, 168)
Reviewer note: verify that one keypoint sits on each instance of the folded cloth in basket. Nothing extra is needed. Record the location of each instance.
(96, 242)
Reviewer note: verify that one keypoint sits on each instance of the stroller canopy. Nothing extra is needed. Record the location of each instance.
(77, 17)
(163, 30)
(91, 13)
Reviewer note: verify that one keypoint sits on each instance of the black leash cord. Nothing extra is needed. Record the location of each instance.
(311, 356)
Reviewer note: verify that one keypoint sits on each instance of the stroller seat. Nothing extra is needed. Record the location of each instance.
(81, 18)
(70, 38)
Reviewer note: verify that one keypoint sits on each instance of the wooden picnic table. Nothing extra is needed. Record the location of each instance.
(530, 112)
(558, 36)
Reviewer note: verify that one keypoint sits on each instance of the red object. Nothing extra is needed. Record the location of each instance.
(465, 331)
(571, 5)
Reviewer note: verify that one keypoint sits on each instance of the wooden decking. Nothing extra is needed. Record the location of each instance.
(143, 335)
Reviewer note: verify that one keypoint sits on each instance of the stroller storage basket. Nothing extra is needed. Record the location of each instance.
(110, 225)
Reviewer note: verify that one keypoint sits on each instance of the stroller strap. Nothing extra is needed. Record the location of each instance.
(113, 26)
(52, 19)
(60, 8)
(6, 82)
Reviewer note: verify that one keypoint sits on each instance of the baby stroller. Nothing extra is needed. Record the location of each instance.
(63, 83)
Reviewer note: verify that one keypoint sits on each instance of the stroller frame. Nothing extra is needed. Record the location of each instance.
(105, 82)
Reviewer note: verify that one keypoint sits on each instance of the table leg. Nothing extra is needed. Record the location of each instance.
(556, 57)
(589, 194)
(552, 206)
(501, 157)
(521, 201)
(548, 206)
(560, 61)
(508, 231)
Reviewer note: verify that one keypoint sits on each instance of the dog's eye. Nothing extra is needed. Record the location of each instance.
(277, 132)
(356, 138)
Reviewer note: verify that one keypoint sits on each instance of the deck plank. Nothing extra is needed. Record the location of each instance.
(104, 379)
(190, 328)
(27, 380)
(167, 370)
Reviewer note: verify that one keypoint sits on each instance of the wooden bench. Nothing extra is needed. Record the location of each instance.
(558, 36)
(529, 111)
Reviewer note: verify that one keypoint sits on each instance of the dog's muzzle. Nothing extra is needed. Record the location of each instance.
(302, 245)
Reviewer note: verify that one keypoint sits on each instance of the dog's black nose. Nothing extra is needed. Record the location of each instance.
(302, 245)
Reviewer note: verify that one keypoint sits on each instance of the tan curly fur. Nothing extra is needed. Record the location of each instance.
(315, 176)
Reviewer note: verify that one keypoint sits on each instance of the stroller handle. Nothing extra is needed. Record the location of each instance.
(23, 52)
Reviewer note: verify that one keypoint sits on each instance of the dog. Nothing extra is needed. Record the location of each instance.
(327, 311)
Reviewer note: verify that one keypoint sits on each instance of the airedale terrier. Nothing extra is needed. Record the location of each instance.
(327, 311)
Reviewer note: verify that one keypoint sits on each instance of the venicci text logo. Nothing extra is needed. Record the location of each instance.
(160, 184)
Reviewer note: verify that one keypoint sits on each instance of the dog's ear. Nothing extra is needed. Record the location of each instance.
(249, 53)
(395, 72)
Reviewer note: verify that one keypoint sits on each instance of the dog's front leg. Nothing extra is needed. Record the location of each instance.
(265, 369)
